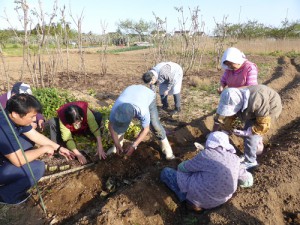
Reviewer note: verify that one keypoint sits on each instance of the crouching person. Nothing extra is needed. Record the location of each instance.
(137, 101)
(15, 176)
(211, 177)
(76, 118)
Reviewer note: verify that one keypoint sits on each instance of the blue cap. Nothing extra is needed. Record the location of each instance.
(123, 115)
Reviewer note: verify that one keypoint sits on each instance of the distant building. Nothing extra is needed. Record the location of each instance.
(181, 32)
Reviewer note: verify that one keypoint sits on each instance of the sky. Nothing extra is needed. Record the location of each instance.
(98, 14)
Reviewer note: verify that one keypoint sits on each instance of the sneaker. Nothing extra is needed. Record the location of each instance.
(23, 199)
(249, 165)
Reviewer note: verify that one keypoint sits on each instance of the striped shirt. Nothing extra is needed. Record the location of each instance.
(246, 75)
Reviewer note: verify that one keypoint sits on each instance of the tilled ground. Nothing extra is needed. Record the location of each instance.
(138, 197)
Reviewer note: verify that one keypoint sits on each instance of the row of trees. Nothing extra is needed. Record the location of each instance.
(143, 29)
(254, 29)
(46, 45)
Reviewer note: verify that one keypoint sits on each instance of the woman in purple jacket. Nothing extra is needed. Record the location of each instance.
(211, 177)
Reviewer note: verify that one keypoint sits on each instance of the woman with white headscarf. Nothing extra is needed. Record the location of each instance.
(211, 177)
(258, 106)
(239, 72)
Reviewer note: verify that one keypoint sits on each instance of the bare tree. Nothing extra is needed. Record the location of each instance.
(103, 54)
(160, 39)
(220, 39)
(24, 6)
(43, 30)
(5, 69)
(191, 32)
(78, 23)
(65, 38)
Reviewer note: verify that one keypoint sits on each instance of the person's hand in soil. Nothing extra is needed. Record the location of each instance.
(119, 149)
(80, 157)
(66, 153)
(49, 150)
(130, 149)
(101, 153)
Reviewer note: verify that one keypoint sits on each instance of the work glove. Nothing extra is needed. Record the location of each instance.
(246, 184)
(243, 133)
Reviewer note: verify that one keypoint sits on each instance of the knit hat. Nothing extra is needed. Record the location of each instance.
(233, 55)
(231, 102)
(219, 139)
(123, 115)
(20, 88)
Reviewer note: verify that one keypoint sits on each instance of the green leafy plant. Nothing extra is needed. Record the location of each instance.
(92, 92)
(51, 99)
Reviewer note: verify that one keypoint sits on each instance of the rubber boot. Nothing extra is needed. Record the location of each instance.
(177, 104)
(164, 102)
(113, 149)
(166, 149)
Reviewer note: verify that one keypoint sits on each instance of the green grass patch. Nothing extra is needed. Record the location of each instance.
(126, 49)
(53, 98)
(278, 53)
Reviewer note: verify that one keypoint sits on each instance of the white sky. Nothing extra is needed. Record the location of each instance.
(97, 12)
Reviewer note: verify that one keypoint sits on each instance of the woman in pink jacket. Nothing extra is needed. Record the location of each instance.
(239, 72)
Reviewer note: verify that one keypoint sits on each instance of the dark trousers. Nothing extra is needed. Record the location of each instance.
(177, 101)
(15, 181)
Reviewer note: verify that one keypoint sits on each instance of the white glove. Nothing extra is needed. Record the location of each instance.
(243, 133)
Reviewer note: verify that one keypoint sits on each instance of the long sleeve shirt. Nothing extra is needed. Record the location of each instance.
(246, 75)
(67, 135)
(211, 177)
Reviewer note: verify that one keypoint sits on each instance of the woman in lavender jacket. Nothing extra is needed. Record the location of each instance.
(211, 177)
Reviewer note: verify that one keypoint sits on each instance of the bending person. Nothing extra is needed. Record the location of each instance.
(75, 118)
(256, 106)
(169, 77)
(137, 101)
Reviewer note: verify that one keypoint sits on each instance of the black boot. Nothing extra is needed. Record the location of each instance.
(164, 101)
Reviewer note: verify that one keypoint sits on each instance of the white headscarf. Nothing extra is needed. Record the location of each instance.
(219, 139)
(233, 55)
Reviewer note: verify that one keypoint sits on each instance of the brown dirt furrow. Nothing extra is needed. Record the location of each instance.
(283, 75)
(288, 86)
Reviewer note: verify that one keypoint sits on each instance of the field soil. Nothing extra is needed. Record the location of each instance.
(127, 190)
